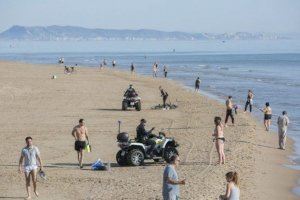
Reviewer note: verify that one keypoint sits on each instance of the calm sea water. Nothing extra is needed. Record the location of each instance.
(270, 68)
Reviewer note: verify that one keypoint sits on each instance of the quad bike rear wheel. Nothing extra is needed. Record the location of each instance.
(121, 160)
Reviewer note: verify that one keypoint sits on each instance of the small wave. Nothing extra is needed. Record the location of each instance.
(224, 68)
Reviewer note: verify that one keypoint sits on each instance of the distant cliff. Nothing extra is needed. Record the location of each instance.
(59, 33)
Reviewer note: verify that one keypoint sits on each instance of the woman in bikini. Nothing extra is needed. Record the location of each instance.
(267, 116)
(219, 139)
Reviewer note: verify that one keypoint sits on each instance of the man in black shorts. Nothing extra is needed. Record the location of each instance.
(80, 133)
(197, 84)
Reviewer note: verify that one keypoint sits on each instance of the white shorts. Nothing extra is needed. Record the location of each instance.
(30, 168)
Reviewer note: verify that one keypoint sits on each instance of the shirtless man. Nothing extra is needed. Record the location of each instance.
(80, 133)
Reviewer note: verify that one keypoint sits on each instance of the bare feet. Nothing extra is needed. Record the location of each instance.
(27, 198)
(36, 193)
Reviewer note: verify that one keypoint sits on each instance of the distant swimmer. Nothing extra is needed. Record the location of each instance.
(32, 159)
(282, 122)
(232, 187)
(80, 134)
(229, 109)
(197, 84)
(165, 71)
(219, 139)
(249, 101)
(267, 116)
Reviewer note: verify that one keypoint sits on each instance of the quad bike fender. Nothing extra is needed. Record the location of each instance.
(137, 146)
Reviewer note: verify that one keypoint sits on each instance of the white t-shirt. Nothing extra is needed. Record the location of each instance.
(30, 155)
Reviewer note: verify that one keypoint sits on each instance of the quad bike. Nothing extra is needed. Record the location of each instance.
(135, 153)
(131, 101)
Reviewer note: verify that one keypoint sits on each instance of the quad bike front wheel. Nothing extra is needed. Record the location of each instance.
(121, 160)
(138, 106)
(124, 105)
(135, 157)
(169, 152)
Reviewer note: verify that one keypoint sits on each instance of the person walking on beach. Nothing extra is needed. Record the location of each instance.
(229, 109)
(164, 95)
(165, 71)
(197, 84)
(80, 133)
(267, 116)
(232, 187)
(219, 139)
(31, 156)
(155, 69)
(171, 182)
(249, 101)
(282, 122)
(132, 68)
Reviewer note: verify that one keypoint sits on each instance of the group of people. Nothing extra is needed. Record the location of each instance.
(70, 70)
(30, 154)
(155, 70)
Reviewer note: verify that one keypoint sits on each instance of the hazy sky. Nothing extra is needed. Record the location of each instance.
(182, 15)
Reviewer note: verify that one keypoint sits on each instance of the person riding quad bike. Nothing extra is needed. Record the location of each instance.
(145, 137)
(130, 92)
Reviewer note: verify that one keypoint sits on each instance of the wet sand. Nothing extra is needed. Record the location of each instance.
(33, 104)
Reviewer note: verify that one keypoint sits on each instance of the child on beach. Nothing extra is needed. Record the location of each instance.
(219, 139)
(232, 188)
(267, 116)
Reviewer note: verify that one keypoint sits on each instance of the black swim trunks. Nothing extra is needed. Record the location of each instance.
(268, 116)
(79, 145)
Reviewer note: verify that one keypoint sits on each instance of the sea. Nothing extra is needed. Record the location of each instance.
(271, 68)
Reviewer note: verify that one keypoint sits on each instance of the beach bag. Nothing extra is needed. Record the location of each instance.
(98, 165)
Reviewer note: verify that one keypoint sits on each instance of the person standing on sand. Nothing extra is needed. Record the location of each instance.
(282, 122)
(267, 116)
(80, 133)
(229, 108)
(170, 190)
(164, 95)
(31, 157)
(249, 100)
(132, 68)
(232, 188)
(165, 71)
(155, 69)
(114, 63)
(219, 139)
(197, 84)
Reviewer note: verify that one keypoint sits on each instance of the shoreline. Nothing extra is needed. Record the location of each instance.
(262, 163)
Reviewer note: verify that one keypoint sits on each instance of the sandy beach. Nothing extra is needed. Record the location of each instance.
(33, 104)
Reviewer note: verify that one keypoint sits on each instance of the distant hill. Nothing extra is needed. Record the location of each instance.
(60, 33)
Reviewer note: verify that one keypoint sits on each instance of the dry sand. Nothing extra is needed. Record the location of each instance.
(34, 104)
